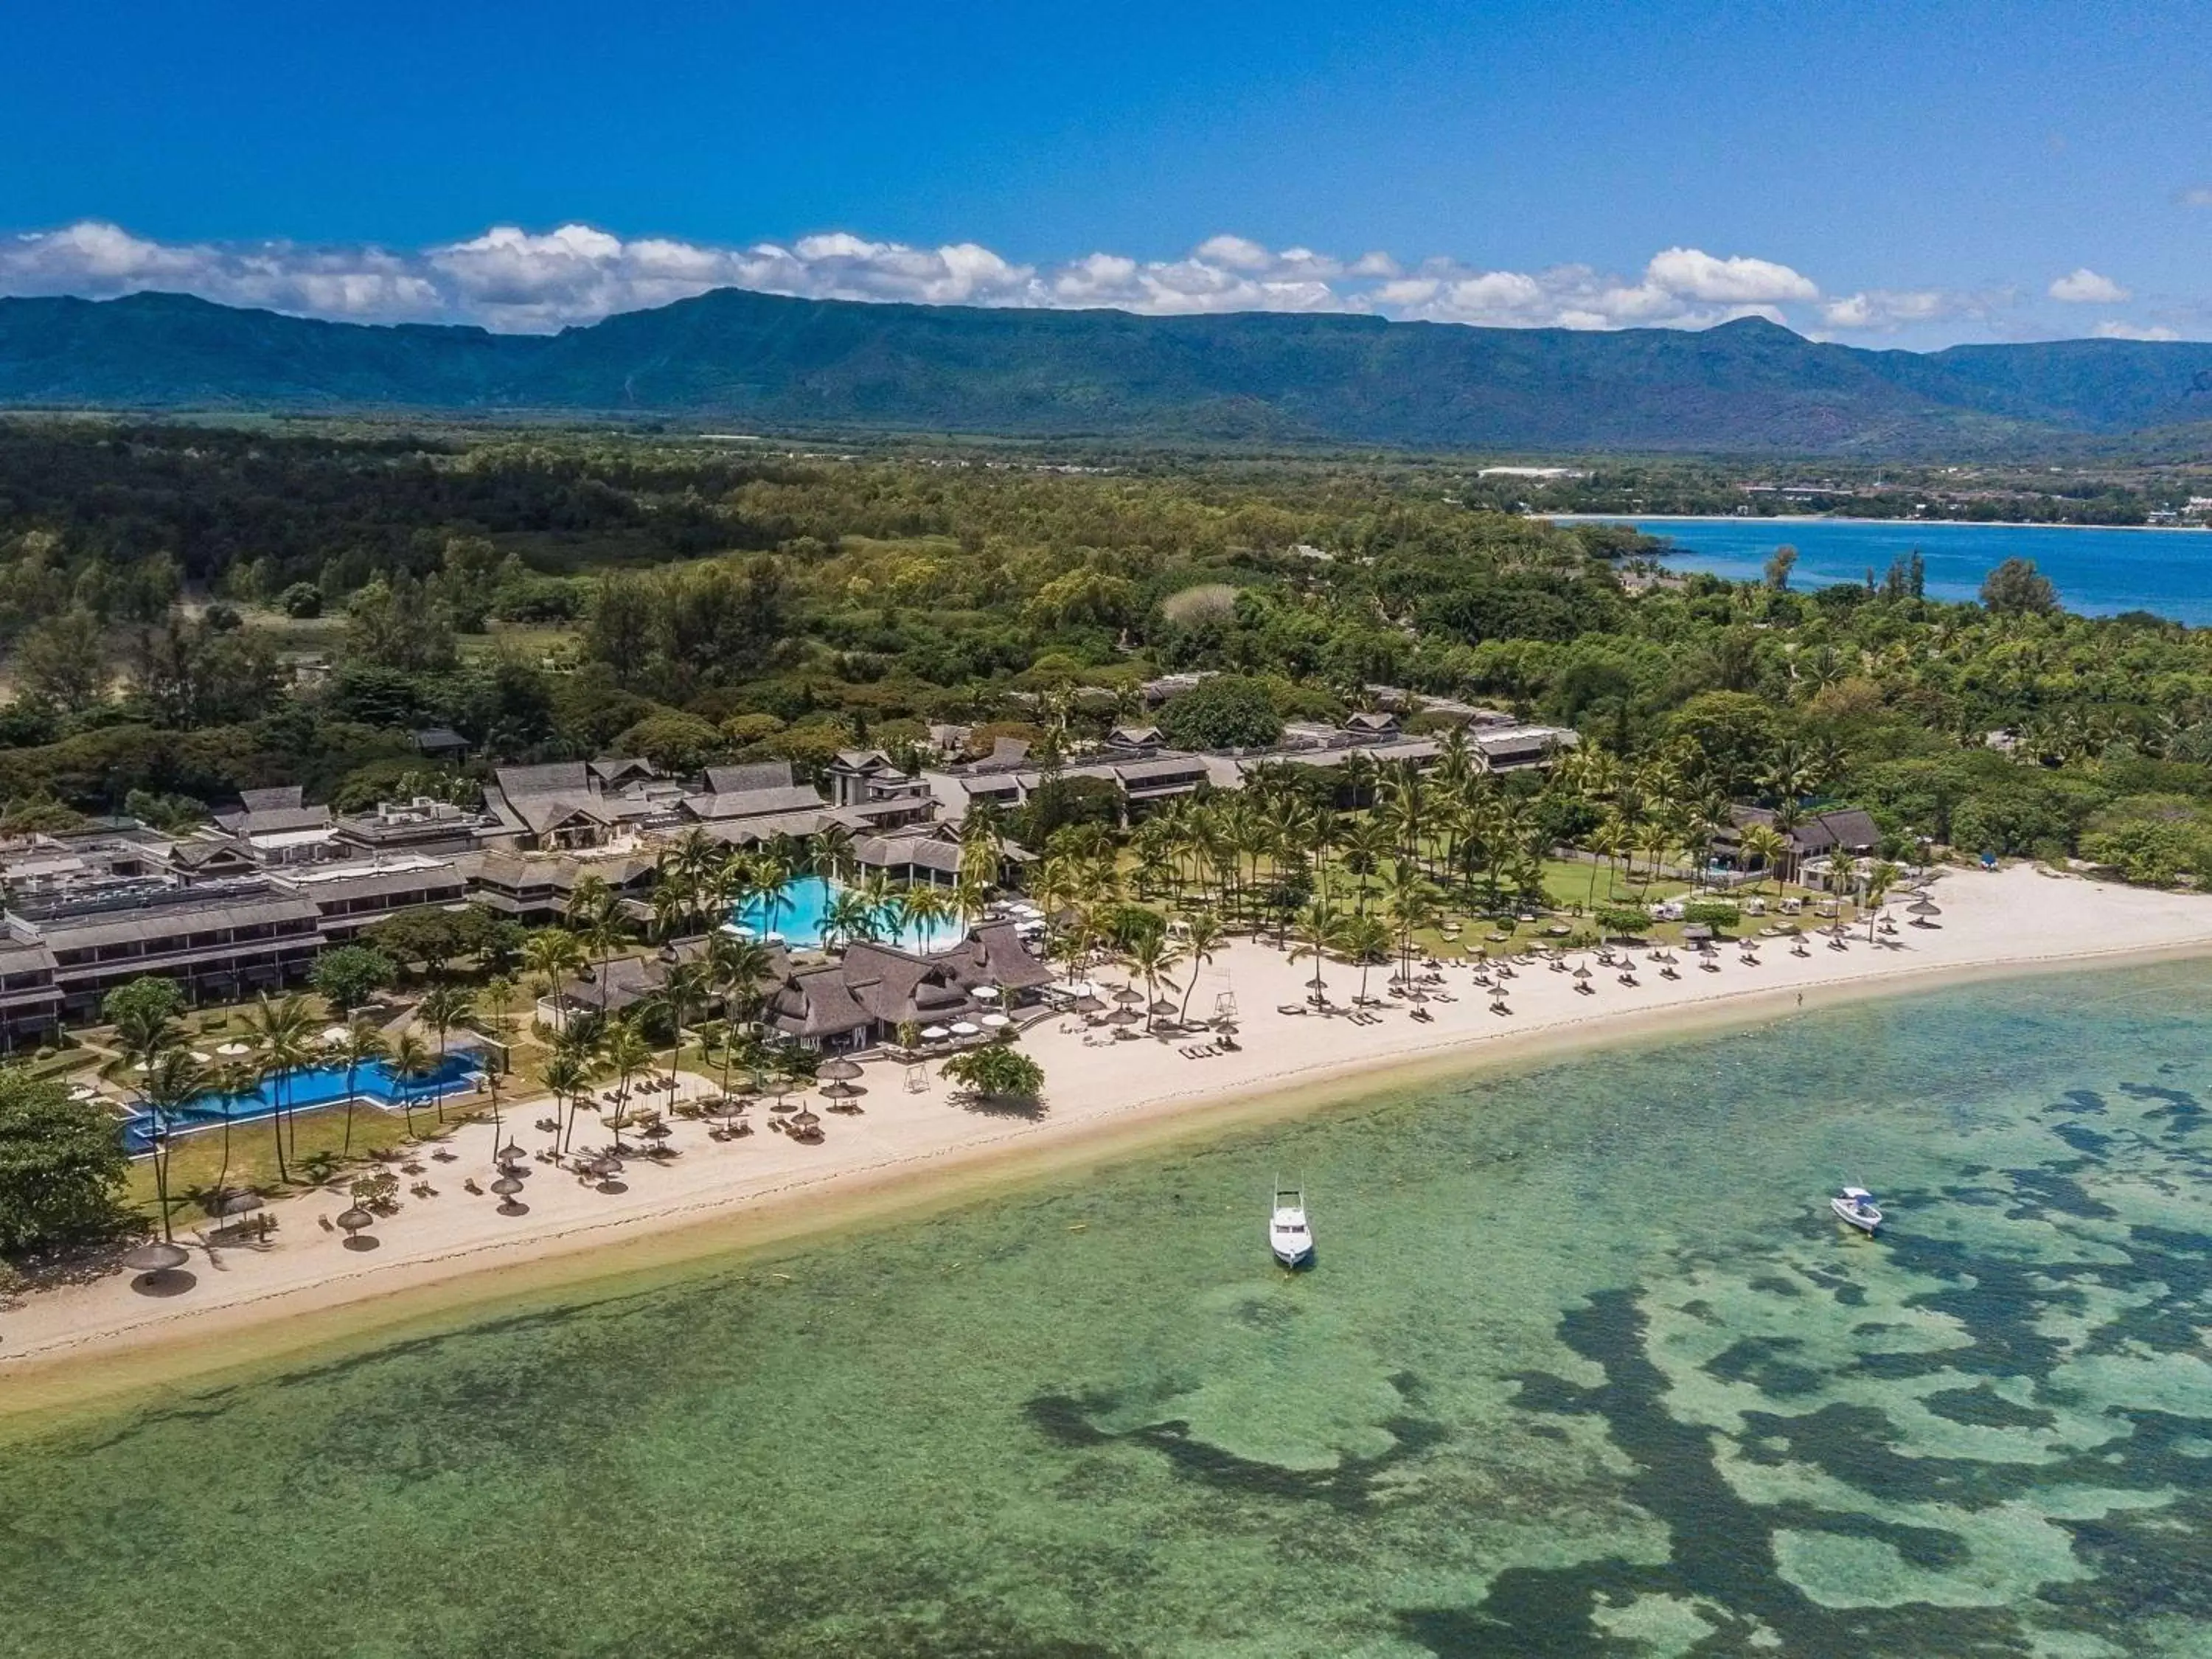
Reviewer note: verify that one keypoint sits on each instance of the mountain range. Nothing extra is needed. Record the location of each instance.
(765, 360)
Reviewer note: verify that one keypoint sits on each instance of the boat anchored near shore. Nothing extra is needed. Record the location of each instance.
(1290, 1234)
(1855, 1207)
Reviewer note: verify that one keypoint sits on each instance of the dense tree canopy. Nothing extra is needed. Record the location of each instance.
(62, 1167)
(558, 596)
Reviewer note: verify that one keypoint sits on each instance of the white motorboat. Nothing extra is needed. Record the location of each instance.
(1290, 1234)
(1856, 1208)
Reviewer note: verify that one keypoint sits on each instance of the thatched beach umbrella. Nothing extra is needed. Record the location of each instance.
(1124, 1016)
(1129, 995)
(1088, 1005)
(839, 1069)
(242, 1202)
(806, 1119)
(155, 1257)
(352, 1222)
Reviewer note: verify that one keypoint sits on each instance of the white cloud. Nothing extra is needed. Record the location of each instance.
(1696, 275)
(2085, 287)
(513, 280)
(2113, 329)
(2196, 196)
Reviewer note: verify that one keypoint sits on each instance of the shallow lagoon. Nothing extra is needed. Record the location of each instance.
(1585, 1369)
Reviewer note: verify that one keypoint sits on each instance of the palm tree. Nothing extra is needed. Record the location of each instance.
(847, 917)
(1764, 846)
(925, 908)
(411, 1061)
(551, 956)
(675, 903)
(363, 1045)
(144, 1035)
(566, 1074)
(833, 856)
(684, 989)
(233, 1080)
(1880, 879)
(443, 1008)
(1201, 938)
(171, 1082)
(1319, 927)
(970, 896)
(282, 1031)
(626, 1055)
(1409, 898)
(1366, 941)
(735, 968)
(599, 926)
(1151, 956)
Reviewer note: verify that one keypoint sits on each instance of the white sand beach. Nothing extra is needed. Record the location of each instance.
(912, 1146)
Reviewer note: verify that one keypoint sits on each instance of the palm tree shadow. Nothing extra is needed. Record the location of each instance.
(1027, 1109)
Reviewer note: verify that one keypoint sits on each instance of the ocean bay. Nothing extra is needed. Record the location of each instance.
(1585, 1368)
(2099, 572)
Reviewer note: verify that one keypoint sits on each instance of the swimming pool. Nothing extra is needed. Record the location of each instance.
(318, 1085)
(799, 906)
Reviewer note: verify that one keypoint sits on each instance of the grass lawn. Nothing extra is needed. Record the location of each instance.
(196, 1161)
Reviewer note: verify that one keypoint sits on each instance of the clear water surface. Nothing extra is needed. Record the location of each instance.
(318, 1085)
(798, 909)
(2098, 572)
(1585, 1369)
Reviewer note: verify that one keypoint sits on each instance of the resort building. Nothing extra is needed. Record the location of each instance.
(420, 825)
(862, 998)
(349, 898)
(570, 804)
(219, 941)
(1146, 775)
(1847, 831)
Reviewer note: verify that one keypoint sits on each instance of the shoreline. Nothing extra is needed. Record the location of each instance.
(1841, 518)
(83, 1347)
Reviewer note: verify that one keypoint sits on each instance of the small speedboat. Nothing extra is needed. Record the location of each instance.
(1290, 1236)
(1855, 1207)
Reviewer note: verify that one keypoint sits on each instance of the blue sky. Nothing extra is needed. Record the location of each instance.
(1881, 174)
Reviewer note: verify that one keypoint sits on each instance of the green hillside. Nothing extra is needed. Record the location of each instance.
(1749, 385)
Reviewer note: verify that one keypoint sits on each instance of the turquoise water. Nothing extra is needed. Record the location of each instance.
(1584, 1368)
(2098, 572)
(319, 1085)
(800, 906)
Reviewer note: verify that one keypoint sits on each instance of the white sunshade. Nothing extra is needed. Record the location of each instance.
(935, 1033)
(985, 993)
(232, 1049)
(965, 1028)
(997, 1022)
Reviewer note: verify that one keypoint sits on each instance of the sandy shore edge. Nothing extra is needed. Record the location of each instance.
(367, 1301)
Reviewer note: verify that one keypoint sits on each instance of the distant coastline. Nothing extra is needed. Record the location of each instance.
(1844, 518)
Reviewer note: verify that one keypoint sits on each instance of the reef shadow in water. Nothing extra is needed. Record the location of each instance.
(1348, 1485)
(1721, 1547)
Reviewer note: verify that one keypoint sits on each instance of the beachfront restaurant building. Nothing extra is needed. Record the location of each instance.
(862, 998)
